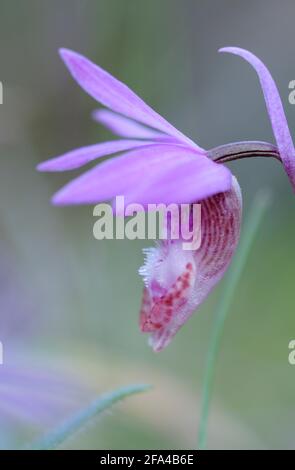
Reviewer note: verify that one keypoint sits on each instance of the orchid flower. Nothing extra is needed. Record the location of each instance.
(162, 165)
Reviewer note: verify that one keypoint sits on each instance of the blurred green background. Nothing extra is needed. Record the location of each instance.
(69, 304)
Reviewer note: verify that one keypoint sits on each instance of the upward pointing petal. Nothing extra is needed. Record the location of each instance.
(275, 110)
(115, 95)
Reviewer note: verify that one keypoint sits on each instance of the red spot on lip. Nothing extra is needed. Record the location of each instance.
(157, 311)
(168, 313)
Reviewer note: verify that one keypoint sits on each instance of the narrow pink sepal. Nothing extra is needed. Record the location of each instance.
(275, 110)
(81, 156)
(125, 127)
(115, 95)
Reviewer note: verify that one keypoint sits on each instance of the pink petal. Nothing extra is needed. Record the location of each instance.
(275, 110)
(121, 175)
(123, 126)
(184, 182)
(79, 157)
(178, 281)
(116, 95)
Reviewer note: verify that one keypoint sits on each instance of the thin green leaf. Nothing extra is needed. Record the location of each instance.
(260, 204)
(78, 421)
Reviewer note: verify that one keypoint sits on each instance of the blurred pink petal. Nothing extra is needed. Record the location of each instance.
(36, 395)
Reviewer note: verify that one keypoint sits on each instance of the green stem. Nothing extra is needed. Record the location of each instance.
(82, 418)
(261, 203)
